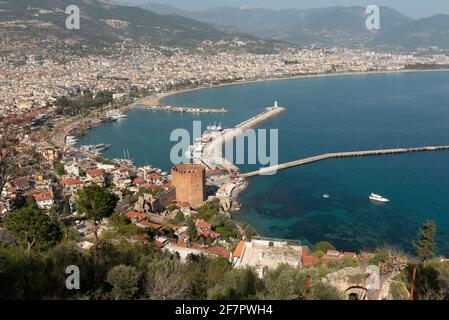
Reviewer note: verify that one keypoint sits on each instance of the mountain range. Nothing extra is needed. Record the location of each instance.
(105, 23)
(102, 23)
(330, 26)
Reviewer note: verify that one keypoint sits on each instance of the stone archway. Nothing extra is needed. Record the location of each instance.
(356, 293)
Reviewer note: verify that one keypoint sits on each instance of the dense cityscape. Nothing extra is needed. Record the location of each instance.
(118, 219)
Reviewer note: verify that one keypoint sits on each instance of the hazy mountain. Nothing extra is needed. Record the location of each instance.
(332, 26)
(101, 23)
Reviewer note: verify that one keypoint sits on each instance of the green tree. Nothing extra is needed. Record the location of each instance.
(191, 229)
(33, 228)
(124, 281)
(96, 203)
(322, 291)
(59, 169)
(179, 217)
(249, 232)
(425, 246)
(324, 246)
(67, 209)
(166, 279)
(237, 284)
(285, 283)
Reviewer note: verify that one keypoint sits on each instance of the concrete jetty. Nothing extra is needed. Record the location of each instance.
(326, 156)
(213, 152)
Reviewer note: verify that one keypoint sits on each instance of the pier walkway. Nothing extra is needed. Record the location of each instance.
(273, 169)
(213, 152)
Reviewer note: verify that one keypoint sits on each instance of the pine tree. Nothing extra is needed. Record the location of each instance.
(425, 246)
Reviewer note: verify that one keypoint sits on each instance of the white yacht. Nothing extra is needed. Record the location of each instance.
(378, 198)
(116, 114)
(326, 196)
(70, 140)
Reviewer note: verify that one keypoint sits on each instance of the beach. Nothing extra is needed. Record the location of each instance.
(156, 100)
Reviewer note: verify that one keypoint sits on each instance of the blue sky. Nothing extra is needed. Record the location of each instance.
(413, 8)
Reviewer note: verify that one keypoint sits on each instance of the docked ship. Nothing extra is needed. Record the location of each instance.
(96, 148)
(195, 152)
(378, 198)
(215, 128)
(116, 115)
(70, 140)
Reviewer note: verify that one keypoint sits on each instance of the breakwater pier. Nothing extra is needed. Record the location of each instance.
(213, 153)
(283, 166)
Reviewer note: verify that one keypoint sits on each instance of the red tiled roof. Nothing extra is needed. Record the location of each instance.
(350, 254)
(219, 251)
(183, 204)
(138, 180)
(70, 182)
(151, 225)
(43, 196)
(194, 245)
(141, 237)
(308, 261)
(182, 243)
(158, 244)
(210, 234)
(22, 180)
(95, 172)
(201, 224)
(239, 250)
(154, 176)
(136, 215)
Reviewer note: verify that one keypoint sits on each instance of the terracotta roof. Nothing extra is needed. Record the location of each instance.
(141, 237)
(138, 180)
(239, 250)
(158, 244)
(210, 234)
(219, 251)
(350, 254)
(151, 225)
(196, 246)
(183, 204)
(70, 182)
(136, 215)
(95, 172)
(182, 243)
(154, 176)
(43, 196)
(201, 224)
(308, 261)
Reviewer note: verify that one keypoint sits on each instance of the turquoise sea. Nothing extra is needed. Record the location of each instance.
(324, 114)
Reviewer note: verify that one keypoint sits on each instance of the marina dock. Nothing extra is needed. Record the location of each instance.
(341, 155)
(181, 109)
(213, 150)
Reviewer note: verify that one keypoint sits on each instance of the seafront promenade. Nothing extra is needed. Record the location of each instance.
(326, 156)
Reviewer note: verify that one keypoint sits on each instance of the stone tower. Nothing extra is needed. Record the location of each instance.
(190, 183)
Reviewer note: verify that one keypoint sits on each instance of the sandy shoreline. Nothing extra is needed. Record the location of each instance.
(156, 100)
